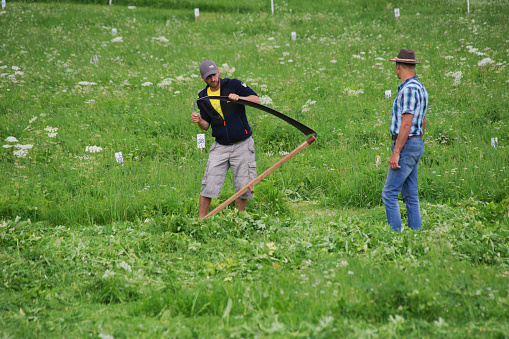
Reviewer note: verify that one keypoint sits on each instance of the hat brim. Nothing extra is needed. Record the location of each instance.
(406, 61)
(215, 71)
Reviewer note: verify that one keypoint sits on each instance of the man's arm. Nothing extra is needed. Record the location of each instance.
(196, 118)
(404, 131)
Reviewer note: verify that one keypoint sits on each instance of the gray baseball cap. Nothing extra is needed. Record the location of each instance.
(207, 68)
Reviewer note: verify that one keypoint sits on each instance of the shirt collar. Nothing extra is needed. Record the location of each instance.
(404, 83)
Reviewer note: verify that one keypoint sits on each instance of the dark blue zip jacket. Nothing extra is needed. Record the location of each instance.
(234, 127)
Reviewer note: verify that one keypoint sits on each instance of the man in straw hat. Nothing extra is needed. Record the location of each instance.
(408, 123)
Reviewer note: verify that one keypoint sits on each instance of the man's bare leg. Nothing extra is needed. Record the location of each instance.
(204, 206)
(240, 204)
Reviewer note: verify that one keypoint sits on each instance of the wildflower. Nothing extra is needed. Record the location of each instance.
(148, 83)
(86, 83)
(20, 153)
(125, 266)
(50, 129)
(165, 82)
(52, 135)
(15, 68)
(24, 147)
(333, 61)
(265, 100)
(118, 39)
(485, 62)
(162, 39)
(108, 274)
(11, 139)
(93, 149)
(457, 77)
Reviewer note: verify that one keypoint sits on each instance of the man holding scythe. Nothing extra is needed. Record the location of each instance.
(234, 145)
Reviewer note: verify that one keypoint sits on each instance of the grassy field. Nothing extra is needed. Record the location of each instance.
(90, 247)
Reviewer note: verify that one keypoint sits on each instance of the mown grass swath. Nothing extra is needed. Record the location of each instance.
(89, 246)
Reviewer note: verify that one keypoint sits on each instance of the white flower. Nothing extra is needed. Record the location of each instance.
(108, 274)
(52, 135)
(131, 7)
(16, 68)
(165, 82)
(117, 39)
(27, 146)
(485, 62)
(19, 73)
(7, 146)
(148, 83)
(457, 77)
(177, 92)
(21, 153)
(86, 83)
(11, 139)
(161, 38)
(125, 266)
(333, 61)
(449, 57)
(265, 100)
(50, 129)
(93, 149)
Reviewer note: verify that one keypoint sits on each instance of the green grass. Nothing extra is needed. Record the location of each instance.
(92, 248)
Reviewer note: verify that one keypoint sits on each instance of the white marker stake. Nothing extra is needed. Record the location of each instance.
(113, 31)
(396, 12)
(200, 141)
(272, 6)
(294, 36)
(110, 2)
(387, 94)
(196, 13)
(94, 60)
(468, 6)
(120, 158)
(4, 3)
(494, 142)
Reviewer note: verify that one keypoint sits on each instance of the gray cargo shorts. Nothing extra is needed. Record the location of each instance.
(240, 157)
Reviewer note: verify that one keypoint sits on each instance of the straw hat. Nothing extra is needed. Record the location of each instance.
(406, 56)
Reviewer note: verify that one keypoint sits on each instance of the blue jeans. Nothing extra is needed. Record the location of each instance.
(404, 180)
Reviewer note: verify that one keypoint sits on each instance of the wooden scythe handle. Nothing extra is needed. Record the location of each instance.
(261, 176)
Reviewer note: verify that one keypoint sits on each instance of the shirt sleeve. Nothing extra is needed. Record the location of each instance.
(242, 89)
(408, 100)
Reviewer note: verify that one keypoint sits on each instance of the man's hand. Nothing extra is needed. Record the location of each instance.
(233, 97)
(394, 160)
(195, 117)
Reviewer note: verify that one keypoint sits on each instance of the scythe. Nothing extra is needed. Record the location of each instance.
(301, 127)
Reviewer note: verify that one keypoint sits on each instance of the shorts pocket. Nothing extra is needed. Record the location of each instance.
(252, 170)
(251, 147)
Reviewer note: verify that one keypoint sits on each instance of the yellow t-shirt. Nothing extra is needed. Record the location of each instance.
(215, 103)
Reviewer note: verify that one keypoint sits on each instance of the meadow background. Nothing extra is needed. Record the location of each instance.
(90, 247)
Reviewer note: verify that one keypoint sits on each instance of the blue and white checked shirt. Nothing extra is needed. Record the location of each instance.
(412, 98)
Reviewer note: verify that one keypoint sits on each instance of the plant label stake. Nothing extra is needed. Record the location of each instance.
(110, 2)
(196, 14)
(119, 158)
(113, 31)
(4, 3)
(300, 126)
(272, 6)
(468, 6)
(200, 141)
(396, 12)
(294, 36)
(387, 94)
(494, 142)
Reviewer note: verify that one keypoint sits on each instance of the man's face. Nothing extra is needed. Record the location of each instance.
(213, 81)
